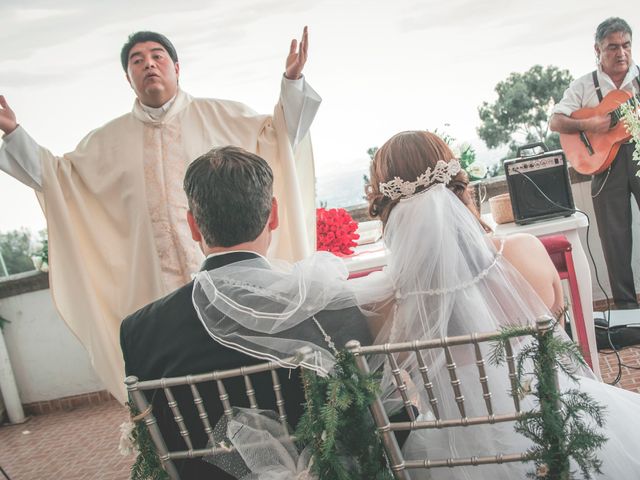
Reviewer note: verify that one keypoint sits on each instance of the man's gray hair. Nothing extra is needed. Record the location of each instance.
(612, 25)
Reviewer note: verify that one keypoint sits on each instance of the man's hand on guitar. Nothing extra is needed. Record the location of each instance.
(596, 124)
(7, 118)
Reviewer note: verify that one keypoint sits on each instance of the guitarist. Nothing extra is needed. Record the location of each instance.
(611, 190)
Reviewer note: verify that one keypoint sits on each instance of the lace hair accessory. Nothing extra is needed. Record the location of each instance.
(442, 173)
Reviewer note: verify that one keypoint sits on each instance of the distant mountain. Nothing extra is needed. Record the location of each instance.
(343, 189)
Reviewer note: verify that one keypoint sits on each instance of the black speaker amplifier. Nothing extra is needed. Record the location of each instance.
(539, 186)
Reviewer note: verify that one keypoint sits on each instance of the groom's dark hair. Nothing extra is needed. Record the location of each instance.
(229, 191)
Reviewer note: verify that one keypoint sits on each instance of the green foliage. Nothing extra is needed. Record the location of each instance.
(562, 430)
(631, 117)
(338, 427)
(147, 465)
(43, 251)
(467, 156)
(15, 246)
(496, 169)
(3, 322)
(520, 114)
(365, 178)
(367, 182)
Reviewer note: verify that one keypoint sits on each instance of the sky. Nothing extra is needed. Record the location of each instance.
(380, 66)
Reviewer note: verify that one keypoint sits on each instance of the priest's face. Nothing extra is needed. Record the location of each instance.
(152, 74)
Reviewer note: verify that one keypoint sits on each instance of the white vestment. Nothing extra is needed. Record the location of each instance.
(116, 211)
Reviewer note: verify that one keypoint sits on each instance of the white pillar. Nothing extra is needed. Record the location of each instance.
(8, 386)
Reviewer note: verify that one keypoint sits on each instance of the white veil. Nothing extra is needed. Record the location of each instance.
(258, 308)
(449, 280)
(444, 277)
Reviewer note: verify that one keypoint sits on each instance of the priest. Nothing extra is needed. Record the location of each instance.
(115, 208)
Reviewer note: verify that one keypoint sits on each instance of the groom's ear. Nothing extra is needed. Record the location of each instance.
(193, 227)
(274, 220)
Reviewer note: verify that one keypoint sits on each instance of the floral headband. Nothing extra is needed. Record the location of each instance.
(443, 172)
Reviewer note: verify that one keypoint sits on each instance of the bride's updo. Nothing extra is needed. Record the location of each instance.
(406, 155)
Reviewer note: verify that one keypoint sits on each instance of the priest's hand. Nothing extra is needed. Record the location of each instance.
(297, 56)
(7, 118)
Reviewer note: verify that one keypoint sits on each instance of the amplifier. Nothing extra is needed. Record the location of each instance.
(539, 185)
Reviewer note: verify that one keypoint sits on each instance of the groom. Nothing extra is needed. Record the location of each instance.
(232, 214)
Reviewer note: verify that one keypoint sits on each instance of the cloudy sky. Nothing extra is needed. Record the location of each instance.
(380, 66)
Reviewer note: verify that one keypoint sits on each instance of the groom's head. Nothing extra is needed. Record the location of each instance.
(231, 203)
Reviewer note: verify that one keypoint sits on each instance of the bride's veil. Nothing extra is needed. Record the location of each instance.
(444, 277)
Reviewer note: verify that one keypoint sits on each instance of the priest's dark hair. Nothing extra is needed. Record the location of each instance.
(229, 191)
(146, 36)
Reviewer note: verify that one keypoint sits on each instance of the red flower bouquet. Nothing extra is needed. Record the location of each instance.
(335, 231)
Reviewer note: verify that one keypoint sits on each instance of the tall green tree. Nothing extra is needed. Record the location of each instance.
(15, 247)
(521, 113)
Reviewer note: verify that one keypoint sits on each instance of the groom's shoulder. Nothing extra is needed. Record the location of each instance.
(172, 306)
(346, 324)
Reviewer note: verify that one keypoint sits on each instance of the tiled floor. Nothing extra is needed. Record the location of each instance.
(630, 377)
(83, 443)
(66, 445)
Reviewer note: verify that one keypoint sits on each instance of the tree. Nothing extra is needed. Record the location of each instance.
(365, 178)
(521, 113)
(15, 247)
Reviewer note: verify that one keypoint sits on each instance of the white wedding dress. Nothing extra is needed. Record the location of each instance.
(444, 277)
(449, 280)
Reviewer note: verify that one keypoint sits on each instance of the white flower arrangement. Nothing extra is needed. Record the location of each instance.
(40, 257)
(127, 445)
(477, 170)
(39, 263)
(631, 117)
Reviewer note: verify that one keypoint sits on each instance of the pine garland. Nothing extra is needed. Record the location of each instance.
(559, 432)
(147, 465)
(337, 425)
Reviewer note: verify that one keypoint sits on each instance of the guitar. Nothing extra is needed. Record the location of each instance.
(591, 153)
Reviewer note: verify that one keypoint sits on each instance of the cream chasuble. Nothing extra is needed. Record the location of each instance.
(116, 212)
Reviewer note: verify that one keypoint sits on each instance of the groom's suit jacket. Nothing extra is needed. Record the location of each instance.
(167, 339)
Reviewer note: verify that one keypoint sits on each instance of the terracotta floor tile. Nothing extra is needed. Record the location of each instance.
(81, 443)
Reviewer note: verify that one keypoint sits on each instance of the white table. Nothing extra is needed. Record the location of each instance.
(369, 258)
(366, 259)
(567, 226)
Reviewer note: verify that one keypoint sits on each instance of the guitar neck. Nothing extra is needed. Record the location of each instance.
(616, 115)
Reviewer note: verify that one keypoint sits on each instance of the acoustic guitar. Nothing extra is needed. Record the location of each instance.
(591, 153)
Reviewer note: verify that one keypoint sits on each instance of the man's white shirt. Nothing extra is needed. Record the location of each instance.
(582, 92)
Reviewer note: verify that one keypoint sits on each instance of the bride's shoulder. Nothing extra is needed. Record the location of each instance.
(521, 247)
(517, 241)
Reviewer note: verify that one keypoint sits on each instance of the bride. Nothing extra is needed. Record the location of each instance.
(444, 277)
(450, 278)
